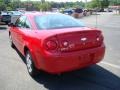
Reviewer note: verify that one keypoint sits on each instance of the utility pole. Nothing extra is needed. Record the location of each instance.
(97, 14)
(18, 3)
(86, 4)
(43, 1)
(28, 4)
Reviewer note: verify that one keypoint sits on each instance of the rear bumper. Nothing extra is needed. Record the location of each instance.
(56, 64)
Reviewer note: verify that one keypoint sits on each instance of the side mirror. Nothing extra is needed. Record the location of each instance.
(11, 25)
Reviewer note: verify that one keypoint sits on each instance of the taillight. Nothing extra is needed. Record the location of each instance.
(51, 45)
(100, 38)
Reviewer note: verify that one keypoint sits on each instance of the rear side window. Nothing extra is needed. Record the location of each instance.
(56, 21)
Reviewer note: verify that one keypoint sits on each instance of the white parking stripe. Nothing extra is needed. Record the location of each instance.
(112, 65)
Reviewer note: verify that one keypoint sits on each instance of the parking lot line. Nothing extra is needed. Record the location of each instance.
(109, 64)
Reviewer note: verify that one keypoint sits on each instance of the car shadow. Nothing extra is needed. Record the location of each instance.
(20, 55)
(91, 78)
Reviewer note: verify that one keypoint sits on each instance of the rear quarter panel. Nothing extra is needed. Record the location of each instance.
(33, 42)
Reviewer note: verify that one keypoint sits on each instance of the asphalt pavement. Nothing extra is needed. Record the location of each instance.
(103, 76)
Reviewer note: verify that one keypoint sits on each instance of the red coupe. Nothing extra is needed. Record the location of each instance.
(56, 43)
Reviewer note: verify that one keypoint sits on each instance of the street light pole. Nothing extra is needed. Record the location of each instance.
(96, 19)
(43, 1)
(18, 3)
(85, 3)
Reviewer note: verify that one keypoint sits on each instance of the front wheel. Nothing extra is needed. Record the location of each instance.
(30, 65)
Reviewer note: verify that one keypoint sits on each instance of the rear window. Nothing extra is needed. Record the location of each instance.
(56, 21)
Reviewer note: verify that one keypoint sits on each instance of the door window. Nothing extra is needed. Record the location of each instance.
(27, 24)
(21, 21)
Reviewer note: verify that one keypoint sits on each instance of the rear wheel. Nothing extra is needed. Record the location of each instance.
(30, 65)
(11, 42)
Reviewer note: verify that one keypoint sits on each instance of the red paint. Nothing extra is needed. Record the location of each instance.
(61, 50)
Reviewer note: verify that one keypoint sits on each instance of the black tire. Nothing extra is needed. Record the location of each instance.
(11, 42)
(32, 70)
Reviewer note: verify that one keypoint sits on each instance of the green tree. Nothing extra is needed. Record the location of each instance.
(114, 2)
(45, 6)
(93, 4)
(2, 5)
(8, 8)
(98, 4)
(104, 3)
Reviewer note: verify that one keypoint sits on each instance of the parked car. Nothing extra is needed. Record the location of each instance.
(87, 12)
(108, 10)
(56, 43)
(78, 13)
(10, 16)
(15, 15)
(99, 10)
(68, 11)
(5, 17)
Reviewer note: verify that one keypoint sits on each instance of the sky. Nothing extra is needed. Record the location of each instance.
(61, 0)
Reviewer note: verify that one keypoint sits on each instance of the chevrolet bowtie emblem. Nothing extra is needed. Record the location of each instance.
(83, 39)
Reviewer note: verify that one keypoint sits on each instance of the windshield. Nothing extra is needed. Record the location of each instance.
(56, 21)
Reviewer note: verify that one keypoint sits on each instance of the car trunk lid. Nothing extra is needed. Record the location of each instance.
(79, 40)
(72, 39)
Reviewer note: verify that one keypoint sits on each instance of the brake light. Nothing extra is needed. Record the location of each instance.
(51, 45)
(100, 38)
